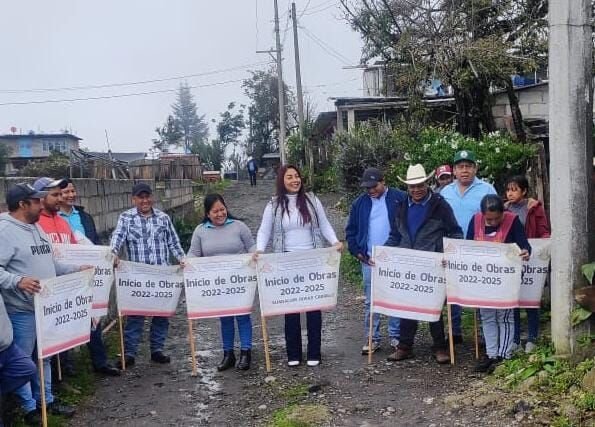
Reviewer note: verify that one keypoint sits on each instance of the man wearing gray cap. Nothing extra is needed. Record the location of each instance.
(370, 219)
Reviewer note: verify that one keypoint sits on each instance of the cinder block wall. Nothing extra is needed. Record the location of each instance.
(105, 199)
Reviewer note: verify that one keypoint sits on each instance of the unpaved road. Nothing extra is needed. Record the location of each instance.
(409, 393)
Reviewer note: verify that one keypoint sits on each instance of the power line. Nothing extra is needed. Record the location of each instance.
(123, 95)
(305, 9)
(314, 12)
(108, 85)
(326, 47)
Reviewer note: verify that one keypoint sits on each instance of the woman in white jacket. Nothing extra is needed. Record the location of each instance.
(295, 221)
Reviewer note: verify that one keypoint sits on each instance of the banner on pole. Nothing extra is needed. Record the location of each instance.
(63, 312)
(219, 286)
(296, 282)
(408, 283)
(148, 290)
(482, 274)
(99, 256)
(535, 272)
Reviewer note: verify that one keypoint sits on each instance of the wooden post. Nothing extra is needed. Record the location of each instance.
(59, 367)
(44, 411)
(192, 347)
(265, 342)
(475, 333)
(122, 357)
(370, 329)
(451, 344)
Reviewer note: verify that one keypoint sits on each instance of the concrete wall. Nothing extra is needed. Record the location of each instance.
(533, 102)
(106, 199)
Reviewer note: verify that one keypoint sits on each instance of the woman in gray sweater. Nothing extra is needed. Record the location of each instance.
(221, 234)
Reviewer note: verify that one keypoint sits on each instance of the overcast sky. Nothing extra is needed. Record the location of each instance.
(66, 44)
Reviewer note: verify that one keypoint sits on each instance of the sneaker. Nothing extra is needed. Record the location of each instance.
(159, 357)
(394, 342)
(487, 364)
(33, 418)
(400, 354)
(530, 347)
(442, 356)
(375, 348)
(293, 363)
(108, 371)
(56, 408)
(515, 348)
(313, 363)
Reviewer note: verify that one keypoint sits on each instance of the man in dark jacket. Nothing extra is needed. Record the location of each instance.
(421, 223)
(369, 225)
(83, 227)
(252, 167)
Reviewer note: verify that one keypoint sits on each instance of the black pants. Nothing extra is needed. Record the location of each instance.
(293, 335)
(252, 179)
(409, 329)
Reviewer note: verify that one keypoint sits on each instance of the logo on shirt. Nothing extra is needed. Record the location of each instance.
(43, 249)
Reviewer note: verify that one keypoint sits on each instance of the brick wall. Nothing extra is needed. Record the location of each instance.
(105, 199)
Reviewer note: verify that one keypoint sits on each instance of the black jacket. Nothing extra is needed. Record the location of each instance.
(439, 222)
(88, 225)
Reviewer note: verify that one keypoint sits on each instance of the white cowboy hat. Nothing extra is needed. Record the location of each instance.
(416, 174)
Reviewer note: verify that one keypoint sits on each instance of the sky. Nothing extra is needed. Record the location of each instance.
(64, 45)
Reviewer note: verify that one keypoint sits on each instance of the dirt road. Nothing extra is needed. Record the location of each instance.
(342, 391)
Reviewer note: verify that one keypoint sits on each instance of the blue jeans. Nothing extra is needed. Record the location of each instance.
(133, 332)
(97, 348)
(393, 322)
(456, 312)
(23, 326)
(228, 332)
(532, 325)
(16, 369)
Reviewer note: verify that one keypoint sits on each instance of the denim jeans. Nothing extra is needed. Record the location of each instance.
(293, 335)
(133, 332)
(23, 326)
(532, 325)
(456, 312)
(16, 369)
(97, 348)
(393, 322)
(228, 332)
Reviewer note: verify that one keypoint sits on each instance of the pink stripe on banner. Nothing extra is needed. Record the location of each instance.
(147, 313)
(100, 305)
(406, 308)
(58, 348)
(529, 304)
(304, 310)
(219, 313)
(470, 302)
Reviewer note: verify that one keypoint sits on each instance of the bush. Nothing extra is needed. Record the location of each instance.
(56, 166)
(394, 149)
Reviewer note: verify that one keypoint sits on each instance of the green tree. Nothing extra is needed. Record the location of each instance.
(169, 135)
(263, 112)
(56, 165)
(194, 128)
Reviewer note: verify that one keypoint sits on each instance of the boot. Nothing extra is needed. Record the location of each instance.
(229, 360)
(245, 359)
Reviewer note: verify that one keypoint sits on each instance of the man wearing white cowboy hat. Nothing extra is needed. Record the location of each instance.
(421, 223)
(464, 196)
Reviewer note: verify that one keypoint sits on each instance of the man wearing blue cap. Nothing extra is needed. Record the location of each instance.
(464, 196)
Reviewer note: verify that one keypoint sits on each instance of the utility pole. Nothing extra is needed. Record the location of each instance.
(298, 73)
(571, 121)
(281, 91)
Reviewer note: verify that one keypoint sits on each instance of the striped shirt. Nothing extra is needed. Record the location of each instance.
(150, 240)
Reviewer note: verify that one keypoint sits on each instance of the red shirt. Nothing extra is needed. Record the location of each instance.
(56, 227)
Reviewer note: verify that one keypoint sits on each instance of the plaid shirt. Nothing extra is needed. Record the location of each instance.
(149, 240)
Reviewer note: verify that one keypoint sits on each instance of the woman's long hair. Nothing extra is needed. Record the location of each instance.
(210, 200)
(302, 200)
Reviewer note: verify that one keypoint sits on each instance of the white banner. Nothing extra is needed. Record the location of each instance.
(535, 273)
(148, 290)
(296, 282)
(482, 274)
(408, 283)
(99, 256)
(63, 312)
(219, 286)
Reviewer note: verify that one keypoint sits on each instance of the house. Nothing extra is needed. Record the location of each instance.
(24, 148)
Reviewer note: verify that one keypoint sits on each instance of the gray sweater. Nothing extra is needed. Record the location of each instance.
(229, 239)
(26, 252)
(5, 327)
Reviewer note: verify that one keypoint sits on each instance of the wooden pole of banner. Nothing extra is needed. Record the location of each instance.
(59, 367)
(122, 357)
(192, 347)
(476, 334)
(265, 342)
(370, 329)
(108, 327)
(44, 411)
(451, 343)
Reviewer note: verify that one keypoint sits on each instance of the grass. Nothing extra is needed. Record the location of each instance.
(300, 416)
(295, 393)
(351, 270)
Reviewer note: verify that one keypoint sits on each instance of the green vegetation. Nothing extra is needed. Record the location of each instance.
(300, 416)
(350, 271)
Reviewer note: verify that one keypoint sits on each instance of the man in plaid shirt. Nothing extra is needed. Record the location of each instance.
(150, 238)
